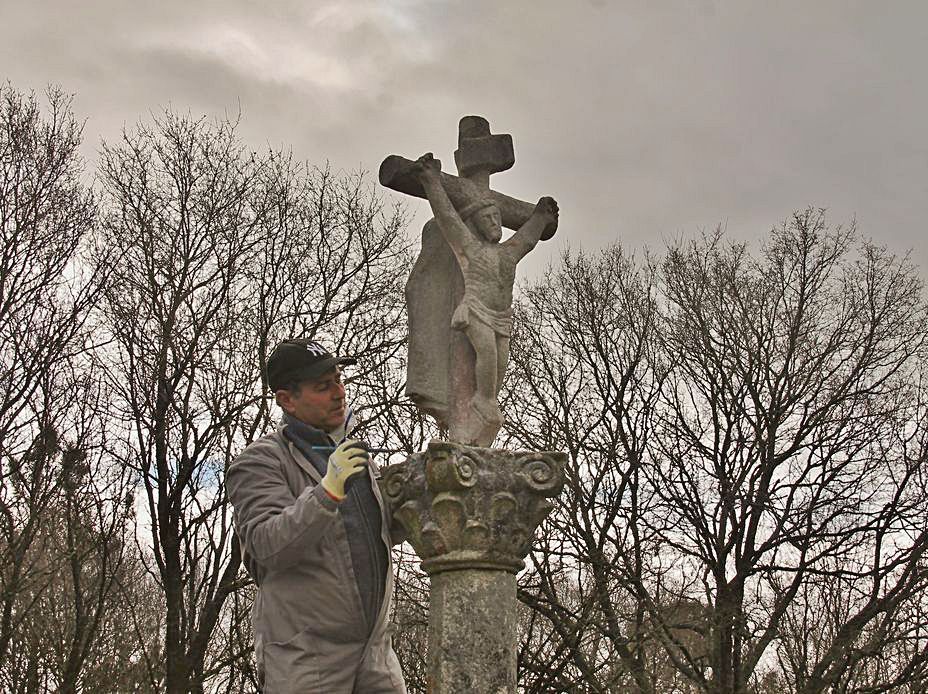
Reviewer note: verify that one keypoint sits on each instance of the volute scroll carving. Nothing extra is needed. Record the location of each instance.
(470, 507)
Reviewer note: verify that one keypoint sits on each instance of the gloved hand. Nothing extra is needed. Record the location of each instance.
(346, 461)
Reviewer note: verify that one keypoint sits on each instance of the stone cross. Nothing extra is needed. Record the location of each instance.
(479, 155)
(469, 511)
(441, 366)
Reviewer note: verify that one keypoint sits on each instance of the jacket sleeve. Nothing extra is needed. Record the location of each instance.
(276, 530)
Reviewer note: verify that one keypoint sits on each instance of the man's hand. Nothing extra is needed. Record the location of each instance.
(427, 166)
(547, 210)
(346, 462)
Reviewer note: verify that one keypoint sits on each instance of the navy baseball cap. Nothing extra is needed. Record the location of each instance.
(300, 360)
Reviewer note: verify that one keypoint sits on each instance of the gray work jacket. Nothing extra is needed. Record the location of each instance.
(296, 548)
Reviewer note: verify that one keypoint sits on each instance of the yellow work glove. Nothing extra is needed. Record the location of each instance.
(346, 461)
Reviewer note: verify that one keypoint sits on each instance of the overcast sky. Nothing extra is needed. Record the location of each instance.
(647, 120)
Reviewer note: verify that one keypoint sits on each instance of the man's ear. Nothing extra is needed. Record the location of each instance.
(284, 399)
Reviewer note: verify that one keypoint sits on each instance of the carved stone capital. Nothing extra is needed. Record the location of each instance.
(465, 507)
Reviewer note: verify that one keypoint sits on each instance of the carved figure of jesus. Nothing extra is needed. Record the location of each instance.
(488, 266)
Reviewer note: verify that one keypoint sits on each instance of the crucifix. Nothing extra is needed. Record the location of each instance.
(459, 293)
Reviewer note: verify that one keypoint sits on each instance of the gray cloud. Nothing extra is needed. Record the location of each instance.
(645, 120)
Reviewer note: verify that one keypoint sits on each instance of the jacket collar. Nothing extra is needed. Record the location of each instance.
(299, 438)
(310, 434)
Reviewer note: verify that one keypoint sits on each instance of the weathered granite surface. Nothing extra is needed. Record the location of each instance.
(459, 294)
(473, 619)
(470, 513)
(469, 507)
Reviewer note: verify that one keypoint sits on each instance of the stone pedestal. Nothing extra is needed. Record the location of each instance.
(470, 514)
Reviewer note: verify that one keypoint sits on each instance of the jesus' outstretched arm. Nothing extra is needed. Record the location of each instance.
(428, 170)
(528, 235)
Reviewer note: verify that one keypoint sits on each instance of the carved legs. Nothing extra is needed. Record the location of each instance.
(483, 339)
(483, 416)
(502, 360)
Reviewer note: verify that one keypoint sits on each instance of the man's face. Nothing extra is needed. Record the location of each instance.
(488, 223)
(319, 402)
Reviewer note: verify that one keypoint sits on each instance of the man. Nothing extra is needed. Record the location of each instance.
(315, 537)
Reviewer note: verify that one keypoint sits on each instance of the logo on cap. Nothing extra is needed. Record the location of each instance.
(316, 349)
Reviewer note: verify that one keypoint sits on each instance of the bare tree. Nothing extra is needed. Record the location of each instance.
(747, 466)
(585, 380)
(332, 266)
(74, 632)
(184, 208)
(232, 668)
(46, 293)
(785, 451)
(411, 617)
(221, 253)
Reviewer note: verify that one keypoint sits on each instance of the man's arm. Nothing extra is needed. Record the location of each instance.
(276, 530)
(528, 235)
(455, 231)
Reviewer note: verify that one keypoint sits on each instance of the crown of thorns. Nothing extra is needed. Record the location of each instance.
(469, 209)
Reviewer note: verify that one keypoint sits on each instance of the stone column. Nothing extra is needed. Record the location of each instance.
(470, 514)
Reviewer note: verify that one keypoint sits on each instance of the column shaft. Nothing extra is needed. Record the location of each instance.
(473, 632)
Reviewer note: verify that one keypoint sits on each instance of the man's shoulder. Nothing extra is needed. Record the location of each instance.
(267, 446)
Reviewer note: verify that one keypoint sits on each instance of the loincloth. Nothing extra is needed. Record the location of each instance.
(472, 308)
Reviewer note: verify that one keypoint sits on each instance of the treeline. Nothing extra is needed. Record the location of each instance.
(746, 508)
(135, 310)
